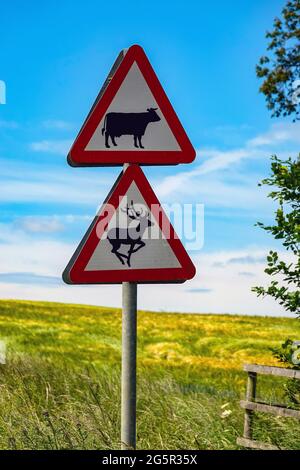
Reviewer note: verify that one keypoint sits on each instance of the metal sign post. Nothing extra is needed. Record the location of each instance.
(131, 121)
(128, 387)
(128, 380)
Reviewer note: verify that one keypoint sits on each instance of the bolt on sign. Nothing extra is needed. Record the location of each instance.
(132, 120)
(130, 239)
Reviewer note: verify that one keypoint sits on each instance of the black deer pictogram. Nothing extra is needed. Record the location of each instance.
(131, 236)
(117, 124)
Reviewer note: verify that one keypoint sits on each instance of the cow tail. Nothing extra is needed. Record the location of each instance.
(104, 125)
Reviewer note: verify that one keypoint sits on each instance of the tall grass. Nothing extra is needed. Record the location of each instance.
(44, 407)
(60, 387)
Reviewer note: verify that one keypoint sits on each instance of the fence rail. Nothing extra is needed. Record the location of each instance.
(272, 370)
(250, 405)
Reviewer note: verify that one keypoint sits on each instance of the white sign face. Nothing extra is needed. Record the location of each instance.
(133, 120)
(139, 242)
(130, 240)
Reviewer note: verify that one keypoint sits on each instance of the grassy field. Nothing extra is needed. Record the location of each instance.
(60, 387)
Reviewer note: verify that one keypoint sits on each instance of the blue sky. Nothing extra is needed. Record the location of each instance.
(54, 59)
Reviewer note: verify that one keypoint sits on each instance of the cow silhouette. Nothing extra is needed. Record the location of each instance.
(117, 124)
(131, 236)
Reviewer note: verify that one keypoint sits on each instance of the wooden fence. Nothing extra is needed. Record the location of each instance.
(250, 405)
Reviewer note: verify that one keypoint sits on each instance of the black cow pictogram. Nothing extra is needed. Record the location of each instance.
(118, 124)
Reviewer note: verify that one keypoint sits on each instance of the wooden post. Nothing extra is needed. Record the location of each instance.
(251, 406)
(250, 396)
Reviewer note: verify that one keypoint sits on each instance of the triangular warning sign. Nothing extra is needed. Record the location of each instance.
(130, 239)
(132, 120)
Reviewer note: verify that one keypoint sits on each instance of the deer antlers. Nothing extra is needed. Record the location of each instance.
(134, 213)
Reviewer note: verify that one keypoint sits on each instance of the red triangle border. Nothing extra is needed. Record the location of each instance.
(78, 156)
(75, 273)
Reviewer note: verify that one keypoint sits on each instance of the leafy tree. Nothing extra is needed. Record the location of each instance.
(281, 68)
(281, 87)
(285, 288)
(289, 354)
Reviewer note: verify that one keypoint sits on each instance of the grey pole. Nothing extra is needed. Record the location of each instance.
(129, 343)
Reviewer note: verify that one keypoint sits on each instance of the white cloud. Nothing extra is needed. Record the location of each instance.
(215, 161)
(224, 278)
(209, 180)
(214, 290)
(58, 147)
(57, 124)
(211, 184)
(27, 182)
(28, 278)
(41, 257)
(219, 160)
(279, 132)
(48, 224)
(40, 224)
(33, 191)
(244, 259)
(219, 286)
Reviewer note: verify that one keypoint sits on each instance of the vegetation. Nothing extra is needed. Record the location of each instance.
(285, 288)
(60, 387)
(280, 69)
(281, 87)
(289, 354)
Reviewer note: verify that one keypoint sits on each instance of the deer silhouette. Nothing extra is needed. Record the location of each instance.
(131, 236)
